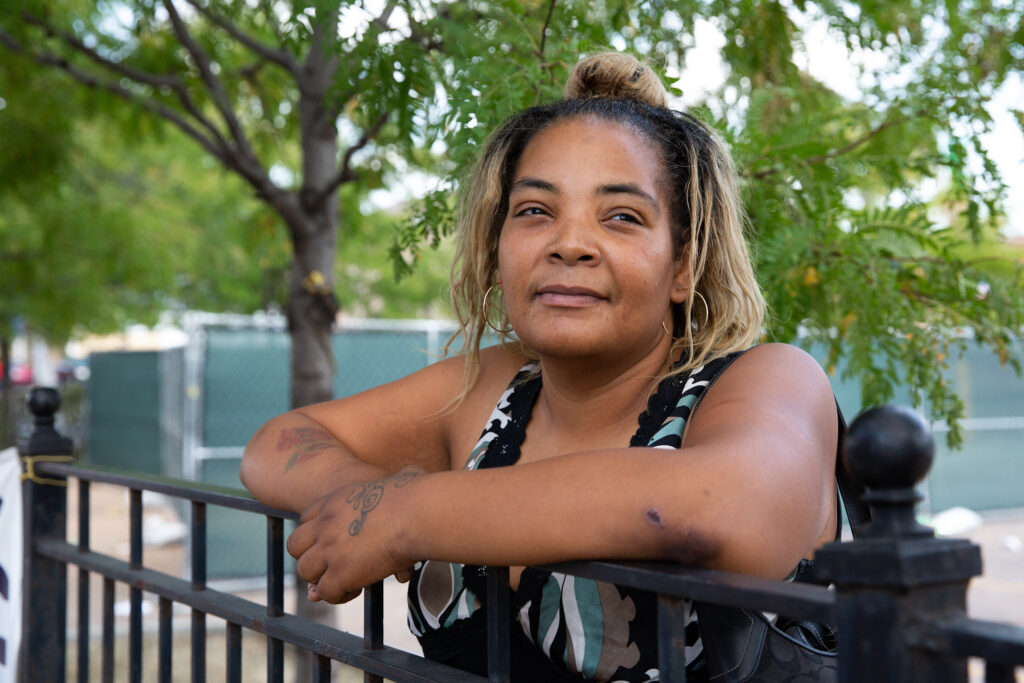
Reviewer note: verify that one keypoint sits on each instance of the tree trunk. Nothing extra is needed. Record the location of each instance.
(310, 320)
(311, 303)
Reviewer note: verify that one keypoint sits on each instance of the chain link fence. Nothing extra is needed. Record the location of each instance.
(236, 377)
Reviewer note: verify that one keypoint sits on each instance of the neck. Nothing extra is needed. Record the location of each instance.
(584, 395)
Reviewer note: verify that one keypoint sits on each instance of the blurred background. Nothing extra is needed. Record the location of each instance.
(214, 210)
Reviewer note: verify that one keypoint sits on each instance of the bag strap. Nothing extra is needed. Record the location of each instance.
(849, 492)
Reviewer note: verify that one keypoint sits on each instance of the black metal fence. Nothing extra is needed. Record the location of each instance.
(899, 593)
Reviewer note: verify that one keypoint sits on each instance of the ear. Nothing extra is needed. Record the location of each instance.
(680, 281)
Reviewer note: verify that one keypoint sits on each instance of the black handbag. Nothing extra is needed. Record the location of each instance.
(744, 645)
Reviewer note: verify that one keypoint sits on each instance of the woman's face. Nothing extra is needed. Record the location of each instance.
(585, 257)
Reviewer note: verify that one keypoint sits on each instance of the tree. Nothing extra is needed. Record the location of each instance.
(830, 181)
(295, 102)
(235, 81)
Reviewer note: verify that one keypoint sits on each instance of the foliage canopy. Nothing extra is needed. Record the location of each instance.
(849, 250)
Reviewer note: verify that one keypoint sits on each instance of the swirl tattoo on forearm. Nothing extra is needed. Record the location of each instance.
(368, 496)
(308, 442)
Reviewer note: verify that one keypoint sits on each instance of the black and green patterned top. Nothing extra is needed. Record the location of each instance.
(565, 628)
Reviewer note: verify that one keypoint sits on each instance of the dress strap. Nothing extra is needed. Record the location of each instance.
(675, 400)
(504, 449)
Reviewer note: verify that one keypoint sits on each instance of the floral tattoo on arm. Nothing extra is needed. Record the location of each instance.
(365, 497)
(306, 442)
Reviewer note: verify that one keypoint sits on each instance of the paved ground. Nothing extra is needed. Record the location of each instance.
(998, 595)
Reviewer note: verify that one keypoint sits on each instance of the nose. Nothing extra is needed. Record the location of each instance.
(574, 241)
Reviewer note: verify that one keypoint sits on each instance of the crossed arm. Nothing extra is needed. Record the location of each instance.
(752, 490)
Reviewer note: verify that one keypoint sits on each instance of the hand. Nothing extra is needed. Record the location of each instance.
(351, 537)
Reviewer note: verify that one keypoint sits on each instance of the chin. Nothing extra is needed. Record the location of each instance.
(564, 345)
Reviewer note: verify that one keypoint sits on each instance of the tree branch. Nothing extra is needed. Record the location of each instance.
(117, 89)
(385, 16)
(544, 30)
(156, 80)
(247, 166)
(282, 58)
(415, 31)
(22, 255)
(818, 158)
(245, 155)
(137, 75)
(856, 143)
(345, 172)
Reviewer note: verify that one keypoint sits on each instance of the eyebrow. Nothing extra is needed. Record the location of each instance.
(614, 188)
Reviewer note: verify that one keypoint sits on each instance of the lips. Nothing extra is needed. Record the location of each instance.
(565, 295)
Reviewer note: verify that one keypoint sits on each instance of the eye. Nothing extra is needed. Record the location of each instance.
(531, 211)
(626, 217)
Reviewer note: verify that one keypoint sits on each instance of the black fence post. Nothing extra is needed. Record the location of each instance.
(896, 582)
(44, 609)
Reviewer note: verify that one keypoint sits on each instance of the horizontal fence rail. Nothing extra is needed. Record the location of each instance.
(898, 597)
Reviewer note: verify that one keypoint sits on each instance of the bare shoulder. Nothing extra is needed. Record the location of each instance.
(771, 384)
(785, 362)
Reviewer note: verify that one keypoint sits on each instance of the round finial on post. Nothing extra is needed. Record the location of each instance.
(889, 449)
(43, 403)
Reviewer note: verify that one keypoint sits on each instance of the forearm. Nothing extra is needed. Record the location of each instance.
(582, 506)
(292, 460)
(619, 504)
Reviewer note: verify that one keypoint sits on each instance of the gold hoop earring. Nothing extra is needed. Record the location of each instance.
(487, 318)
(665, 327)
(707, 311)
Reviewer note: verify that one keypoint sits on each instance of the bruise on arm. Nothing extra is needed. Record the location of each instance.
(304, 443)
(653, 515)
(686, 546)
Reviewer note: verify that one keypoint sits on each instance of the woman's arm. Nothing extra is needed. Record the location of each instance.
(306, 453)
(751, 491)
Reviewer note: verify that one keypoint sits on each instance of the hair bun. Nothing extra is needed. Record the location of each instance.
(613, 74)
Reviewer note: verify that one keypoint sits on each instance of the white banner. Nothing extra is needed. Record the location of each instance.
(10, 563)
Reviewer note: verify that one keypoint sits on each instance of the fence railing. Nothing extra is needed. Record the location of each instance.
(899, 596)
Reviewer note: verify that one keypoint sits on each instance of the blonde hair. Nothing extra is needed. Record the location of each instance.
(707, 216)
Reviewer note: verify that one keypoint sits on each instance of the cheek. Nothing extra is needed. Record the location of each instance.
(514, 257)
(654, 271)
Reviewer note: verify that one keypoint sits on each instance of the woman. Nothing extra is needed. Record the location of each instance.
(604, 232)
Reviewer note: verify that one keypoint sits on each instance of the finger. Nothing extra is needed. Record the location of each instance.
(300, 540)
(312, 510)
(351, 595)
(332, 588)
(311, 593)
(311, 565)
(403, 575)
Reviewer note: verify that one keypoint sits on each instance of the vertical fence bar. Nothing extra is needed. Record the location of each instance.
(672, 639)
(275, 595)
(166, 644)
(373, 623)
(499, 625)
(83, 582)
(321, 669)
(44, 587)
(233, 671)
(135, 594)
(198, 551)
(108, 630)
(997, 672)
